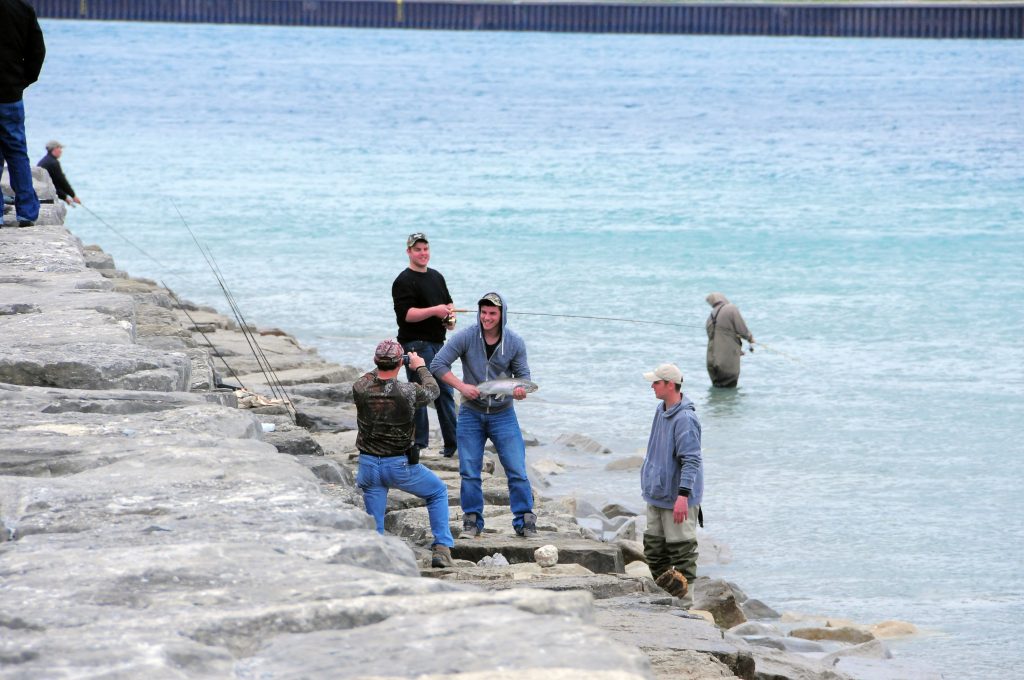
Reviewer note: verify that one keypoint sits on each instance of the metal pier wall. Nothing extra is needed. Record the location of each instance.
(895, 21)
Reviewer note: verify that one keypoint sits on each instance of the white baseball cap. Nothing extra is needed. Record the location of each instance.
(669, 372)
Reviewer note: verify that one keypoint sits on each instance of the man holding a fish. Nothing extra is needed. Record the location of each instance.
(493, 367)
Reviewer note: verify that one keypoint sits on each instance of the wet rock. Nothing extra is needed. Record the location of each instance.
(873, 649)
(615, 510)
(628, 463)
(842, 634)
(581, 443)
(755, 609)
(717, 597)
(337, 393)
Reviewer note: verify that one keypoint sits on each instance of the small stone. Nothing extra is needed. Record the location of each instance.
(546, 556)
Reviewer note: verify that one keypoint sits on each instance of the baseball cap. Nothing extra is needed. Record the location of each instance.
(53, 144)
(413, 238)
(388, 354)
(669, 372)
(490, 299)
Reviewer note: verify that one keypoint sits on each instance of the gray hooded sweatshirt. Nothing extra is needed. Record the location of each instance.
(673, 459)
(725, 326)
(507, 361)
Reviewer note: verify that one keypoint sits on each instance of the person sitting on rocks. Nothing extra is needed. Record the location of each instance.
(672, 484)
(51, 163)
(386, 411)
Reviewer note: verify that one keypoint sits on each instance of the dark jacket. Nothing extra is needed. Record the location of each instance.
(60, 182)
(386, 409)
(21, 49)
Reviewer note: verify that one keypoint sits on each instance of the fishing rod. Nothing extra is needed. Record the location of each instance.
(174, 297)
(274, 383)
(216, 352)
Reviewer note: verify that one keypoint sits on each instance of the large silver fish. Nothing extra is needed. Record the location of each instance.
(503, 387)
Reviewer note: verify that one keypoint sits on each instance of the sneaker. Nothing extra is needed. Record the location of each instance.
(25, 223)
(441, 557)
(448, 453)
(529, 528)
(470, 528)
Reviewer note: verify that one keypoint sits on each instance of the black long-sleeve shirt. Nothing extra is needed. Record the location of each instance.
(60, 182)
(22, 49)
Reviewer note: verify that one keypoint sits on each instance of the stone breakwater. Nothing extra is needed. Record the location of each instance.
(151, 526)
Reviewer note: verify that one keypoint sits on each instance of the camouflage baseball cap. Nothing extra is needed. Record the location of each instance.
(413, 238)
(388, 354)
(490, 299)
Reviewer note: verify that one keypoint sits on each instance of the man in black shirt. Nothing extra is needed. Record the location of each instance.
(423, 309)
(51, 162)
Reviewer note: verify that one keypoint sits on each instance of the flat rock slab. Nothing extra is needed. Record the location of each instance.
(600, 558)
(95, 366)
(634, 621)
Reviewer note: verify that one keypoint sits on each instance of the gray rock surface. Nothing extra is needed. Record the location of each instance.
(156, 534)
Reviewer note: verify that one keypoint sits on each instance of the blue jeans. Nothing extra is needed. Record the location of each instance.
(14, 149)
(377, 474)
(502, 428)
(445, 402)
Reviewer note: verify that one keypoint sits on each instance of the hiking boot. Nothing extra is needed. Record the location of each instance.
(470, 528)
(529, 528)
(26, 223)
(448, 453)
(441, 557)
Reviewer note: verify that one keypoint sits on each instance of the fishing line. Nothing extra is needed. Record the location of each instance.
(181, 305)
(759, 344)
(274, 383)
(127, 240)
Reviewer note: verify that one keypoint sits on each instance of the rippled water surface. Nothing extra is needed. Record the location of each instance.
(860, 200)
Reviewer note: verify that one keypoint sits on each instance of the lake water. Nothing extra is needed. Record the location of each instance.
(859, 200)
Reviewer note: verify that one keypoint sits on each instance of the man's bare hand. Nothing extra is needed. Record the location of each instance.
(415, 361)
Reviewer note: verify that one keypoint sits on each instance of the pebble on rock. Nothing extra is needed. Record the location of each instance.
(546, 555)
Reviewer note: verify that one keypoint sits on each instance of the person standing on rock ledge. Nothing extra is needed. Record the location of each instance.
(22, 51)
(424, 311)
(385, 413)
(489, 350)
(672, 483)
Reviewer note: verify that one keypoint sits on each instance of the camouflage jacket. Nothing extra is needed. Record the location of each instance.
(386, 410)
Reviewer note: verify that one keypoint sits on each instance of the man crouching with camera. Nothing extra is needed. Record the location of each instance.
(386, 411)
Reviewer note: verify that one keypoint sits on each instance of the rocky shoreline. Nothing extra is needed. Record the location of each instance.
(154, 524)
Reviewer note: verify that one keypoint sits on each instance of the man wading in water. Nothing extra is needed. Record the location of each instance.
(725, 327)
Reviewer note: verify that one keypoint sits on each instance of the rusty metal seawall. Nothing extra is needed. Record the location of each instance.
(888, 20)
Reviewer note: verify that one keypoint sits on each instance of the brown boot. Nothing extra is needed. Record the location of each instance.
(673, 582)
(441, 557)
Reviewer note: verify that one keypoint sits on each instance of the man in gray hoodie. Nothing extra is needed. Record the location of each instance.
(672, 483)
(488, 350)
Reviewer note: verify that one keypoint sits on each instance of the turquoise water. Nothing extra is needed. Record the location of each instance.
(860, 200)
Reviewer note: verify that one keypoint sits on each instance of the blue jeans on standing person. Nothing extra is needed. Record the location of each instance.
(502, 428)
(377, 474)
(14, 149)
(445, 402)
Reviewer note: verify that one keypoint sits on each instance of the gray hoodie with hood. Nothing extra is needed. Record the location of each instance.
(507, 361)
(673, 459)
